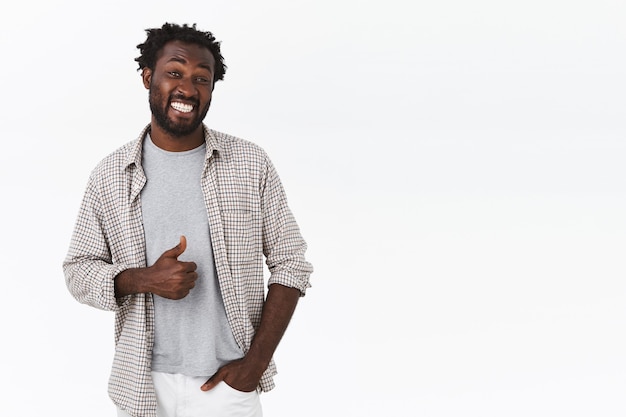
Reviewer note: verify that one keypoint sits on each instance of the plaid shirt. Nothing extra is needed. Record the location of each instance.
(249, 221)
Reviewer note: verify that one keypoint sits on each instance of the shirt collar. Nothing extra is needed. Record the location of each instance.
(134, 154)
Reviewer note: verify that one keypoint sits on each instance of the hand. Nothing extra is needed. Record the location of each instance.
(240, 375)
(171, 278)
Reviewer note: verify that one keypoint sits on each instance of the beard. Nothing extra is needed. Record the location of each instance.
(159, 107)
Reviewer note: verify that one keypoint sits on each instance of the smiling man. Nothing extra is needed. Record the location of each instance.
(180, 84)
(172, 235)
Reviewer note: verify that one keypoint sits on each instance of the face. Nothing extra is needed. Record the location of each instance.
(180, 87)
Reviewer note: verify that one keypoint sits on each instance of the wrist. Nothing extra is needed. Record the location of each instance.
(129, 282)
(256, 361)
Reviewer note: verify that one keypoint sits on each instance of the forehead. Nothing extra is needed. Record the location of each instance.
(186, 53)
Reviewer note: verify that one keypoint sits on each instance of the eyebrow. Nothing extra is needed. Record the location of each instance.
(177, 59)
(206, 66)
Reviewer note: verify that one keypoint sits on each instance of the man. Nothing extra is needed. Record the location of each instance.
(171, 235)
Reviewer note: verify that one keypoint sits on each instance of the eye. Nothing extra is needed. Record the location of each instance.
(203, 80)
(174, 74)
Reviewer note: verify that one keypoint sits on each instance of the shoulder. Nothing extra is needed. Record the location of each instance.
(114, 164)
(233, 147)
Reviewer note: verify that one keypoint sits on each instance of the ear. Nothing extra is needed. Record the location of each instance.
(146, 76)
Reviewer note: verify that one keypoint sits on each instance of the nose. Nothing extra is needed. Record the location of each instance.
(186, 87)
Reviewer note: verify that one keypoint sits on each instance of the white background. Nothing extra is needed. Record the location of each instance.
(457, 168)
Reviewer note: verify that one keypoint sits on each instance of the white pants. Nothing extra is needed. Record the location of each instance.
(181, 396)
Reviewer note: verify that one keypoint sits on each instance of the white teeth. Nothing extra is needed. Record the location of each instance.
(182, 107)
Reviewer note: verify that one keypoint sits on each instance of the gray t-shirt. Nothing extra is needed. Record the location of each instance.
(192, 335)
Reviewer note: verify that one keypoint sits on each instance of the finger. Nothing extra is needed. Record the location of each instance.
(212, 382)
(190, 266)
(177, 250)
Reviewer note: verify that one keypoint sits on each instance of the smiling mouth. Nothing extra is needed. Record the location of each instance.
(182, 107)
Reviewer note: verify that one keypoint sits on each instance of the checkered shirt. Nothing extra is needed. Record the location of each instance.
(249, 222)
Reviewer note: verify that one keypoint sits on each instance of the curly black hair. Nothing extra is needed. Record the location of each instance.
(158, 37)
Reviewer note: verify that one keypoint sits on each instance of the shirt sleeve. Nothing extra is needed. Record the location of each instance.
(88, 267)
(283, 245)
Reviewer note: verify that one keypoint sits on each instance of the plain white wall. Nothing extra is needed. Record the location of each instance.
(457, 168)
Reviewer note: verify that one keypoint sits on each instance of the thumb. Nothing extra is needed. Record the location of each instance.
(177, 250)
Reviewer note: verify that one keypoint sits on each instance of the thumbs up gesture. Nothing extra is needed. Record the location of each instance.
(169, 277)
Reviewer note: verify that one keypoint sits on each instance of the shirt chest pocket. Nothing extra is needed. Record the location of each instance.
(239, 236)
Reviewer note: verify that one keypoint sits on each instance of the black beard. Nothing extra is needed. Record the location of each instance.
(168, 125)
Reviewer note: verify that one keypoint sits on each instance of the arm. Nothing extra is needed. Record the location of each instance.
(284, 250)
(92, 276)
(88, 266)
(245, 374)
(168, 277)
